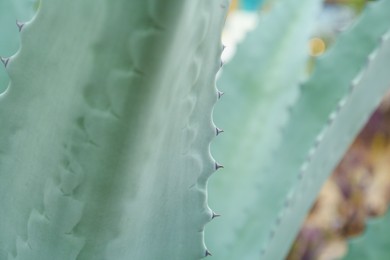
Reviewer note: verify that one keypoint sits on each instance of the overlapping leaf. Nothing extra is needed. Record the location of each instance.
(279, 187)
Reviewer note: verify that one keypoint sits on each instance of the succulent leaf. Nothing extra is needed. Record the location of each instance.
(344, 122)
(106, 126)
(261, 81)
(12, 14)
(322, 123)
(8, 39)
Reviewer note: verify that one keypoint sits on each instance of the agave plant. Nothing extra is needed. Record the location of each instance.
(107, 124)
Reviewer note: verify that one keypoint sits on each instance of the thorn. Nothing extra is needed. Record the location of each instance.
(4, 61)
(331, 118)
(218, 131)
(304, 167)
(385, 37)
(218, 166)
(215, 215)
(223, 47)
(371, 57)
(355, 81)
(221, 64)
(309, 156)
(319, 139)
(341, 103)
(220, 94)
(208, 253)
(19, 25)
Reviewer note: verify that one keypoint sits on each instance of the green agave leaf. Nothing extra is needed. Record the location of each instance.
(8, 38)
(24, 9)
(261, 81)
(10, 12)
(344, 123)
(105, 133)
(374, 243)
(322, 123)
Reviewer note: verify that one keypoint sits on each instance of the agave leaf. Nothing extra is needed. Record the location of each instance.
(24, 9)
(260, 82)
(374, 243)
(105, 133)
(11, 11)
(344, 123)
(285, 185)
(8, 38)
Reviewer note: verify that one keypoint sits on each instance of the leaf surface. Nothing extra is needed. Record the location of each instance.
(106, 125)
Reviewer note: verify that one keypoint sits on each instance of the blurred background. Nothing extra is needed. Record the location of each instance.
(359, 187)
